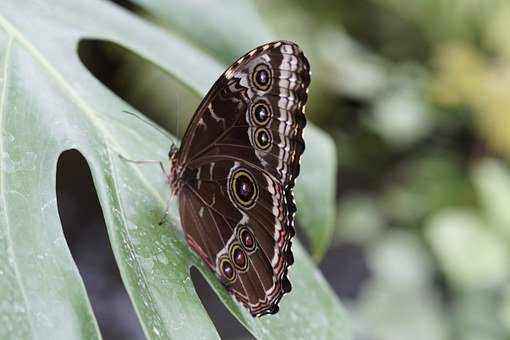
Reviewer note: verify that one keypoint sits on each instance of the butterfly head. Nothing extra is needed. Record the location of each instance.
(173, 151)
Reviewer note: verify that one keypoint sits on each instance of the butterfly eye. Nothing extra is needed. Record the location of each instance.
(172, 151)
(262, 138)
(243, 188)
(247, 240)
(226, 269)
(260, 113)
(261, 77)
(239, 258)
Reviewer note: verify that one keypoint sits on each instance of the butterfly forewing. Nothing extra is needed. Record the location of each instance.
(235, 172)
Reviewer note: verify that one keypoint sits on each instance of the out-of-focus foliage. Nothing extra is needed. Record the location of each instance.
(417, 97)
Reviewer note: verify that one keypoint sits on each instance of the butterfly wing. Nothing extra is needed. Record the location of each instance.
(238, 162)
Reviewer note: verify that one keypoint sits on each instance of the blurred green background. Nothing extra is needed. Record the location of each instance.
(416, 95)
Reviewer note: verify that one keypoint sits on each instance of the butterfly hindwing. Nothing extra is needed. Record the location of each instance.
(222, 225)
(235, 172)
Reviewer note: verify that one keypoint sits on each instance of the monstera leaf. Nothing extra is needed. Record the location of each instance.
(50, 103)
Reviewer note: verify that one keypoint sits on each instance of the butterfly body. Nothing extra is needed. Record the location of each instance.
(235, 171)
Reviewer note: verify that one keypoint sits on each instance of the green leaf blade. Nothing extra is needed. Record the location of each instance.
(51, 103)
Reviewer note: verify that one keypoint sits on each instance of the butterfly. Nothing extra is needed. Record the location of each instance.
(234, 173)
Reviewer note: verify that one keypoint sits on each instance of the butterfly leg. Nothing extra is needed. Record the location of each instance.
(167, 211)
(148, 161)
(152, 161)
(167, 214)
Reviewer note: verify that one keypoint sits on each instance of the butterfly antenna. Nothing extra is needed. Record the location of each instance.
(154, 125)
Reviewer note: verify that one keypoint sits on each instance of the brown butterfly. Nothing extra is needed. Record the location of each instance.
(235, 170)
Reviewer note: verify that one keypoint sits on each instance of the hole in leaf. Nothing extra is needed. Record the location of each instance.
(87, 238)
(142, 84)
(227, 325)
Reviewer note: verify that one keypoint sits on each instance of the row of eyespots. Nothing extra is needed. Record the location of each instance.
(237, 259)
(261, 78)
(260, 115)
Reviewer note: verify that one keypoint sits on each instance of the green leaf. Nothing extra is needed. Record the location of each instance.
(222, 30)
(504, 309)
(227, 35)
(401, 271)
(50, 103)
(360, 219)
(470, 254)
(448, 20)
(475, 316)
(492, 181)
